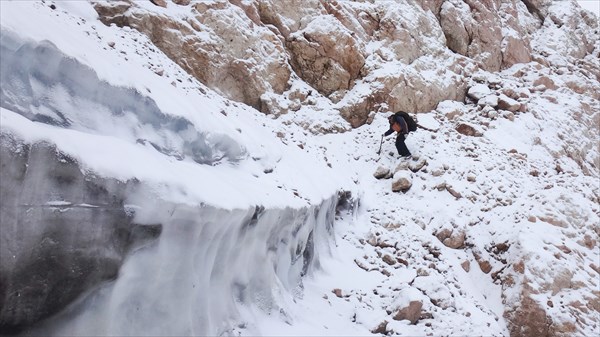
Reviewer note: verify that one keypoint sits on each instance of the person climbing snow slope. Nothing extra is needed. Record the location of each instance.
(402, 123)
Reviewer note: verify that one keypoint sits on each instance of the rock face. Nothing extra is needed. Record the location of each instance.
(256, 52)
(326, 55)
(242, 60)
(63, 232)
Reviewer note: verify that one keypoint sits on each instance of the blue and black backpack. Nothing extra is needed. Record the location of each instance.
(412, 125)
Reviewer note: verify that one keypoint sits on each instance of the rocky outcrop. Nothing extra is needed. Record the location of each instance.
(257, 51)
(240, 59)
(495, 38)
(326, 55)
(568, 31)
(412, 90)
(517, 25)
(538, 7)
(453, 21)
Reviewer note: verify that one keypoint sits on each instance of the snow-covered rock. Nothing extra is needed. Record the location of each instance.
(490, 100)
(507, 103)
(479, 91)
(402, 181)
(382, 172)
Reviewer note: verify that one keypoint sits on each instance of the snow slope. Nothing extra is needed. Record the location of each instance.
(489, 223)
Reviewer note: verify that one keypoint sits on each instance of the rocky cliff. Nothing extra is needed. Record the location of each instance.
(360, 56)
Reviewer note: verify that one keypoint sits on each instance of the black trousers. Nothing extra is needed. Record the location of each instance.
(400, 146)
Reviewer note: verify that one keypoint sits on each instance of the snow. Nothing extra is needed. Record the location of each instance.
(428, 120)
(590, 5)
(251, 166)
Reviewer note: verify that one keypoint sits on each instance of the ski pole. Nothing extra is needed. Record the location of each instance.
(380, 143)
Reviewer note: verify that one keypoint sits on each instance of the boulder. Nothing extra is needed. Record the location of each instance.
(491, 100)
(389, 259)
(479, 91)
(468, 130)
(466, 266)
(381, 329)
(443, 234)
(412, 312)
(401, 182)
(508, 115)
(546, 81)
(160, 3)
(456, 240)
(382, 172)
(416, 166)
(507, 103)
(450, 109)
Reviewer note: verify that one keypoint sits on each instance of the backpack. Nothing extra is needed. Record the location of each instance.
(412, 125)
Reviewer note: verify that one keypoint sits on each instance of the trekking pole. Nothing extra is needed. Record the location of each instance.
(380, 143)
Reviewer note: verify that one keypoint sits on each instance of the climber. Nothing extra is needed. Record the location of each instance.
(402, 123)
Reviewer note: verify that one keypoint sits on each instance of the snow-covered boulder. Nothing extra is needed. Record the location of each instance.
(382, 172)
(507, 103)
(417, 165)
(490, 100)
(479, 91)
(451, 109)
(402, 181)
(468, 130)
(407, 305)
